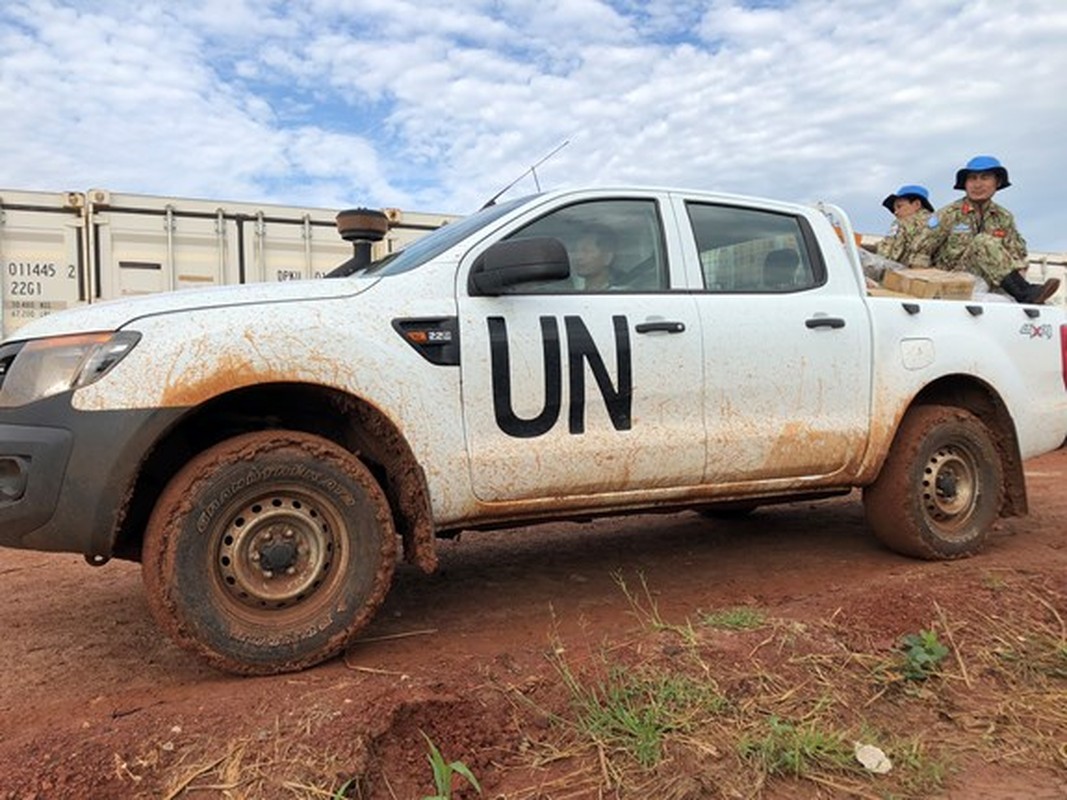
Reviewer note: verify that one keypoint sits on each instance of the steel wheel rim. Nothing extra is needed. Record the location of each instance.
(950, 487)
(277, 550)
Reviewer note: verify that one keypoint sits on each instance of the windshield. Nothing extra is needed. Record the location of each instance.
(433, 244)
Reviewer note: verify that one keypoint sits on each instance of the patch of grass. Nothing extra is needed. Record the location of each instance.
(1032, 654)
(920, 772)
(645, 722)
(1036, 653)
(634, 710)
(1058, 667)
(739, 618)
(994, 582)
(797, 750)
(647, 610)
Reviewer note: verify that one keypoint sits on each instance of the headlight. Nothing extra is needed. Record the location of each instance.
(39, 368)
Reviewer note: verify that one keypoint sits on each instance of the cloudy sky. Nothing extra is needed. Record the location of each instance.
(435, 107)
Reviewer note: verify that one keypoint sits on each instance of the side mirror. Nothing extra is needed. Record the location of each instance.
(514, 261)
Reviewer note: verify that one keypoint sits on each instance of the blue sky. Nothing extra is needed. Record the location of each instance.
(435, 107)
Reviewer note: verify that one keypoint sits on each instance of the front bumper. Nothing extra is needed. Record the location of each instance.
(66, 475)
(33, 461)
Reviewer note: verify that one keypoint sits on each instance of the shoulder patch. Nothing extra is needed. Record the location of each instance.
(932, 222)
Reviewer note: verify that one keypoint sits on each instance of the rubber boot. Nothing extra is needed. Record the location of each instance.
(1025, 292)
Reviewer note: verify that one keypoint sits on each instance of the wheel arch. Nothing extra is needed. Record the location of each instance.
(348, 421)
(982, 400)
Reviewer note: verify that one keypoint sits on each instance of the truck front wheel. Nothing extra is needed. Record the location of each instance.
(268, 552)
(940, 490)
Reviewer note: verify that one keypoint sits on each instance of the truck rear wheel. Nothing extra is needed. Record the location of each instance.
(268, 552)
(940, 489)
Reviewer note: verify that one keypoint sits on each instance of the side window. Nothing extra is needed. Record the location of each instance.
(752, 251)
(613, 246)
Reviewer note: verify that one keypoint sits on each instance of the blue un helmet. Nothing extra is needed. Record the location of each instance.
(911, 191)
(983, 164)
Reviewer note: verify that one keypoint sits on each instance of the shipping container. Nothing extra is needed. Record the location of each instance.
(65, 249)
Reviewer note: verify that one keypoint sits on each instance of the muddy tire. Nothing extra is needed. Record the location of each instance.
(940, 489)
(268, 552)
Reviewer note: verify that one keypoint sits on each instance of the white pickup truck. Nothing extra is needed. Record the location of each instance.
(264, 450)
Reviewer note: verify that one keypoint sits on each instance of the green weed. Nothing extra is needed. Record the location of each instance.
(923, 654)
(443, 772)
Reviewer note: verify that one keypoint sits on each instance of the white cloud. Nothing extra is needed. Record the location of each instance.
(434, 108)
(728, 21)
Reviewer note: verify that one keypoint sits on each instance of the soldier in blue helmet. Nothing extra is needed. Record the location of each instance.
(979, 236)
(911, 209)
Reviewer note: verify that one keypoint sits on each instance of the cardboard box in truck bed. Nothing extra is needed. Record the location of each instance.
(936, 284)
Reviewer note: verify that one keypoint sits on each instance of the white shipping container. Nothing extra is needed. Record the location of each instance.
(64, 249)
(43, 255)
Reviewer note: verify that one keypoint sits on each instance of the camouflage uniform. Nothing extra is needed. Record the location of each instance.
(905, 242)
(961, 236)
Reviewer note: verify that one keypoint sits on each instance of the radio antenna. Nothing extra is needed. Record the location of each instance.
(531, 171)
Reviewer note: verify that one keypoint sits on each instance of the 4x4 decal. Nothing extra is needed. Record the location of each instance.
(1032, 331)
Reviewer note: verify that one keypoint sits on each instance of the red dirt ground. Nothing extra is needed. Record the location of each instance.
(96, 702)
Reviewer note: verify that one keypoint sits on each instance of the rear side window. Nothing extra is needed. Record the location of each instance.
(751, 251)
